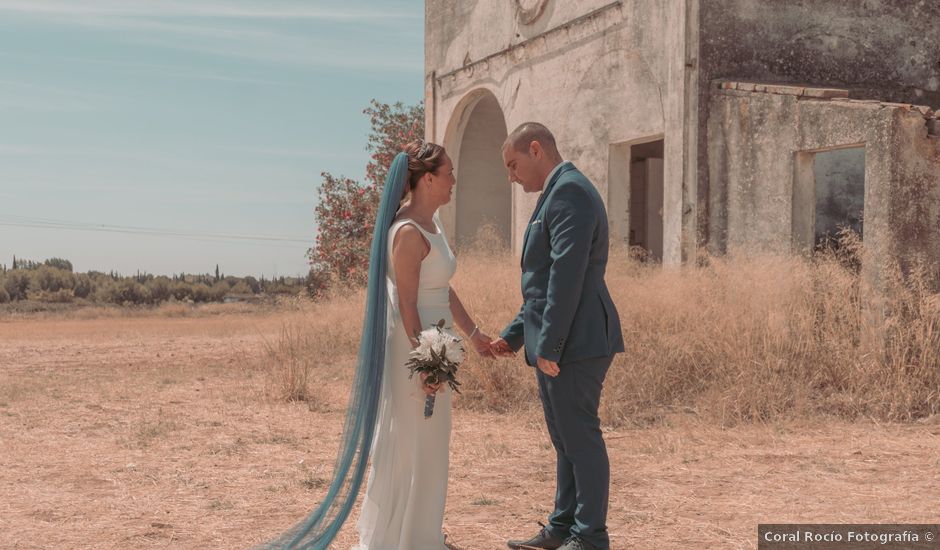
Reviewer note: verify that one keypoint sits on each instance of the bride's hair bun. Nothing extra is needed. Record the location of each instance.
(423, 157)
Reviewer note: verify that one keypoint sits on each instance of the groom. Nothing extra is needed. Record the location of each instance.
(570, 330)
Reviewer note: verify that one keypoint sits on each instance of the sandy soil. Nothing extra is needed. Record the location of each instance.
(153, 432)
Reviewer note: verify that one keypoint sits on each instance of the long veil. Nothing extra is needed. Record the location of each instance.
(320, 527)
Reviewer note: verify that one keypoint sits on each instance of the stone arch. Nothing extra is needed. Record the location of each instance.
(474, 139)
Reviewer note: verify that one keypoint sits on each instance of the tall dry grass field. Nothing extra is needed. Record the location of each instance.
(732, 340)
(217, 427)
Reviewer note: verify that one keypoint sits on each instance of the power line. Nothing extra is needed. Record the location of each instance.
(45, 223)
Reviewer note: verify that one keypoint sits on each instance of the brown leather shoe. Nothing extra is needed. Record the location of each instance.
(545, 540)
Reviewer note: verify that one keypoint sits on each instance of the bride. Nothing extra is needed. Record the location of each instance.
(404, 502)
(411, 265)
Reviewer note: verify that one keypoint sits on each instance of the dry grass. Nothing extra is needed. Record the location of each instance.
(752, 391)
(289, 366)
(735, 339)
(314, 350)
(154, 432)
(84, 311)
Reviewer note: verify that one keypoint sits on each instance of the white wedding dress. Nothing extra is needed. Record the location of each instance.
(403, 508)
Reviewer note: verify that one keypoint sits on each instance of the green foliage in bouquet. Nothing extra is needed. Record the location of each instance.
(433, 358)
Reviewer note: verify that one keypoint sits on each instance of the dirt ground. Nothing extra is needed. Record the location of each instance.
(153, 432)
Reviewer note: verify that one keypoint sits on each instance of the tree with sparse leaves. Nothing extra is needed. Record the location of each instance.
(346, 208)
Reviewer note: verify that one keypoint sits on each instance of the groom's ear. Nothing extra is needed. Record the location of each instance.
(535, 150)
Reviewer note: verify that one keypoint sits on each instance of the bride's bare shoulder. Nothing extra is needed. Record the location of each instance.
(409, 237)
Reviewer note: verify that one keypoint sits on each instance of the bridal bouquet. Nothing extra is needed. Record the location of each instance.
(438, 354)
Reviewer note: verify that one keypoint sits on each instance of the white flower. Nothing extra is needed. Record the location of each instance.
(454, 349)
(437, 339)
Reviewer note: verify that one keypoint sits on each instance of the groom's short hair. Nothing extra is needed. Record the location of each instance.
(526, 133)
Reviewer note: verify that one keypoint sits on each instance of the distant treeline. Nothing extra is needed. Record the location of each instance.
(53, 281)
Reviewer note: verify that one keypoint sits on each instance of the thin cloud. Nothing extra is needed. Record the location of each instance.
(174, 9)
(273, 47)
(19, 104)
(33, 88)
(233, 39)
(191, 191)
(16, 150)
(21, 151)
(18, 95)
(151, 69)
(311, 153)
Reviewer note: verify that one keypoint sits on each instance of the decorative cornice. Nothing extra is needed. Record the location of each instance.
(589, 24)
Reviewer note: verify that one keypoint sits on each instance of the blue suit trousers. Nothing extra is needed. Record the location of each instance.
(570, 402)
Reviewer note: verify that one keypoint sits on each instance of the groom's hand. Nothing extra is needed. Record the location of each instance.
(500, 348)
(550, 368)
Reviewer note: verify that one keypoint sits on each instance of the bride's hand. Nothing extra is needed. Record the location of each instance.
(481, 344)
(430, 389)
(499, 348)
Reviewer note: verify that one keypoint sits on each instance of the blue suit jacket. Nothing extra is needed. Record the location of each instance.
(567, 313)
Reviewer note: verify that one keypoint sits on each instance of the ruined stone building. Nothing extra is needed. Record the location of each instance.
(725, 124)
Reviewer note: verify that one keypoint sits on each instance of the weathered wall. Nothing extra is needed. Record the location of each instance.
(595, 81)
(606, 74)
(878, 49)
(474, 29)
(888, 49)
(758, 164)
(916, 190)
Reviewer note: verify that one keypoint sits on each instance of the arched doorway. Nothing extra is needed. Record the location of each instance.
(484, 195)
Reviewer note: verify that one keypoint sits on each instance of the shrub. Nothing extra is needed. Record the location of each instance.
(51, 279)
(231, 281)
(201, 293)
(60, 296)
(160, 289)
(345, 213)
(84, 286)
(253, 284)
(218, 291)
(129, 291)
(282, 289)
(59, 263)
(16, 283)
(241, 287)
(318, 281)
(182, 291)
(106, 292)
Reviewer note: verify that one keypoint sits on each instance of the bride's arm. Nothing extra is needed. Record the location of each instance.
(408, 249)
(479, 341)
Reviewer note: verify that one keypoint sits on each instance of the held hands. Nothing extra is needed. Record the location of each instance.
(500, 348)
(481, 344)
(488, 347)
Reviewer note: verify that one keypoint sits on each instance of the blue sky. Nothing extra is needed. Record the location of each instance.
(200, 119)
